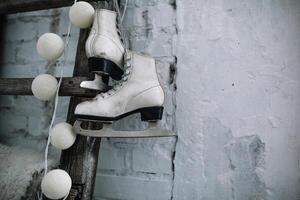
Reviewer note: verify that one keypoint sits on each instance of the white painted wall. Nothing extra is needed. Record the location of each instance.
(238, 112)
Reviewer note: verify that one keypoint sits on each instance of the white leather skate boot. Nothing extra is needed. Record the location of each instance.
(139, 91)
(104, 48)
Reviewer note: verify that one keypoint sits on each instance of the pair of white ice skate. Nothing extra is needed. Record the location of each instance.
(137, 89)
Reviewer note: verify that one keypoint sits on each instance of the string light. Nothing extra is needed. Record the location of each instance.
(44, 87)
(50, 46)
(62, 136)
(81, 14)
(56, 184)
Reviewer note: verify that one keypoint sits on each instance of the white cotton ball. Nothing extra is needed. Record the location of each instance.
(62, 135)
(44, 87)
(50, 46)
(81, 14)
(56, 184)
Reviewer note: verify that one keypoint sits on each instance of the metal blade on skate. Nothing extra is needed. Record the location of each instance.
(108, 132)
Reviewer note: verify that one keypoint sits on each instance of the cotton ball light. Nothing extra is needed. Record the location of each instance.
(44, 87)
(81, 14)
(56, 184)
(62, 135)
(50, 46)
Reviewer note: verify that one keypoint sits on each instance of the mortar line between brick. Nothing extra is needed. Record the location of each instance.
(174, 4)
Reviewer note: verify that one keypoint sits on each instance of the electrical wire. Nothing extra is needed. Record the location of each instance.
(67, 40)
(57, 92)
(124, 11)
(120, 21)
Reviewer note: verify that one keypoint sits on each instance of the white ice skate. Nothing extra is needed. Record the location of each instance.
(104, 49)
(139, 91)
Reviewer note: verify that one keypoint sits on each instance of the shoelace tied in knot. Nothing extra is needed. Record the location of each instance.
(121, 82)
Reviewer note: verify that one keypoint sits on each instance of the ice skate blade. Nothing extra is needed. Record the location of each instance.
(108, 132)
(96, 84)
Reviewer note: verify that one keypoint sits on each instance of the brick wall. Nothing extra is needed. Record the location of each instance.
(143, 168)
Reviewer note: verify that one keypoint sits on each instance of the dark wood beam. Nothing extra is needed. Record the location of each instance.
(3, 22)
(70, 86)
(81, 159)
(15, 6)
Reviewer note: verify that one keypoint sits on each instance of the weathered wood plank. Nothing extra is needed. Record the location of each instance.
(15, 6)
(70, 86)
(80, 161)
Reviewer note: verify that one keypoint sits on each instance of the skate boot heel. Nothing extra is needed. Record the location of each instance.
(104, 66)
(152, 113)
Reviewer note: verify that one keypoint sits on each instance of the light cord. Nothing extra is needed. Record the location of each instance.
(120, 21)
(124, 11)
(57, 94)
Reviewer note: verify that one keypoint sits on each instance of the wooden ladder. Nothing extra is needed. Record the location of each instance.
(80, 161)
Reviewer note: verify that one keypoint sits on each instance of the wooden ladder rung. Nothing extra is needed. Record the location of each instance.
(70, 86)
(15, 6)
